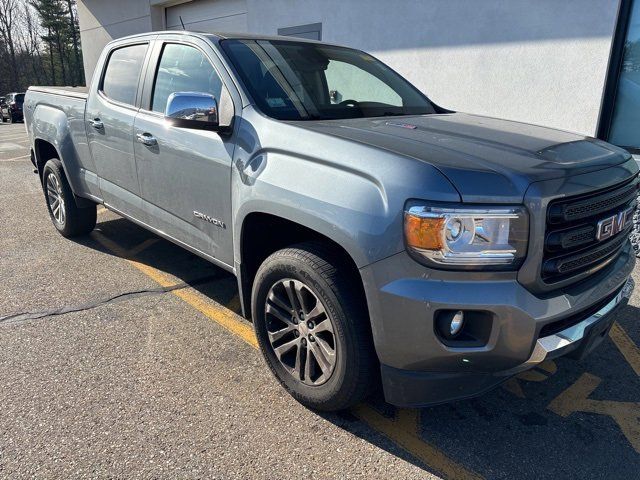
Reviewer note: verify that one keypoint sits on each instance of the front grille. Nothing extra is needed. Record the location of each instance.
(571, 246)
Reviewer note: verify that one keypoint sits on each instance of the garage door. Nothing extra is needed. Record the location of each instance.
(209, 16)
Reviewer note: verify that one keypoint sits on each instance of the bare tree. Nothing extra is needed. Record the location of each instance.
(8, 19)
(30, 43)
(39, 43)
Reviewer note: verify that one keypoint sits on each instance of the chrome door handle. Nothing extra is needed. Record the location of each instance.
(147, 139)
(97, 124)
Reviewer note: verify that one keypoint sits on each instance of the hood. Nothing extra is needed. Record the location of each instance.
(486, 159)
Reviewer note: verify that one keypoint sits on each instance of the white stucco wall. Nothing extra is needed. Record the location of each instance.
(104, 20)
(541, 61)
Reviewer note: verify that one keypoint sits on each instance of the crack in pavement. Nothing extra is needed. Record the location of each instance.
(21, 317)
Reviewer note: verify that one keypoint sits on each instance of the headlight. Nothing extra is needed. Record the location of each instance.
(467, 238)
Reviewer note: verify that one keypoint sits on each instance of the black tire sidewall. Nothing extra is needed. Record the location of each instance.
(280, 267)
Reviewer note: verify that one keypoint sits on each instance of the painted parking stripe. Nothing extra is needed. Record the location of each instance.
(15, 159)
(8, 146)
(629, 350)
(403, 431)
(214, 311)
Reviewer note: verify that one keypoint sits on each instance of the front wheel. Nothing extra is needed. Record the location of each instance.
(312, 325)
(69, 219)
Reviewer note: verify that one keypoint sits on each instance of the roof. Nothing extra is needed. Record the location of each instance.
(254, 36)
(216, 36)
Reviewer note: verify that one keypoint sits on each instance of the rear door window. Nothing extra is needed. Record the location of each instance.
(120, 82)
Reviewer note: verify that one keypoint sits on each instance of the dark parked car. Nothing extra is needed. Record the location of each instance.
(11, 107)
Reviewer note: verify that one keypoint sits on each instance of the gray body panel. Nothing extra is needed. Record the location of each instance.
(487, 159)
(348, 180)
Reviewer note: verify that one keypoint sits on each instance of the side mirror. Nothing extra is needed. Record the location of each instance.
(192, 110)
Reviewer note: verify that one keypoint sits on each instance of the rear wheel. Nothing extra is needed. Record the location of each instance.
(312, 326)
(69, 219)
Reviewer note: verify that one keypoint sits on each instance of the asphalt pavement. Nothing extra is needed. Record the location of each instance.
(123, 356)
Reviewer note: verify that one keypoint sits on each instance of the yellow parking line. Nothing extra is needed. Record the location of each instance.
(404, 430)
(576, 399)
(626, 346)
(142, 247)
(15, 159)
(212, 310)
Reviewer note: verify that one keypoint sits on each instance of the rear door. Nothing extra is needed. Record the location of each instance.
(185, 176)
(110, 113)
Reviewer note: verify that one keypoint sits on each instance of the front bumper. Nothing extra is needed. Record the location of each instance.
(418, 369)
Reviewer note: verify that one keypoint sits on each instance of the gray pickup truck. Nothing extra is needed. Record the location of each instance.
(376, 237)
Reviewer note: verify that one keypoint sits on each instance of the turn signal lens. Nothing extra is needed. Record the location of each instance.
(423, 232)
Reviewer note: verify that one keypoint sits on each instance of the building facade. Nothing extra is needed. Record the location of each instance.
(570, 64)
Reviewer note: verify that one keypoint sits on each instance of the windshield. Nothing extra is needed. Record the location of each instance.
(308, 81)
(19, 98)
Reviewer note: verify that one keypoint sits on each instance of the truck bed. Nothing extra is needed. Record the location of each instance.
(77, 92)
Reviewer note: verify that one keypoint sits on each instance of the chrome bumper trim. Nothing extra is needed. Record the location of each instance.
(547, 345)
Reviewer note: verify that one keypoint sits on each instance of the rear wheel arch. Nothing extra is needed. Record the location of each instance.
(43, 151)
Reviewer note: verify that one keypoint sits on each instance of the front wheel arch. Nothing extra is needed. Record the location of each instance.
(262, 234)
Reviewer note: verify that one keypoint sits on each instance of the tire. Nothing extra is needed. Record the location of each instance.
(69, 219)
(316, 277)
(10, 119)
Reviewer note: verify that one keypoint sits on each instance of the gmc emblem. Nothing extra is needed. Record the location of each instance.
(608, 227)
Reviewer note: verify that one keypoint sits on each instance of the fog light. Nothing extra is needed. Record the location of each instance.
(456, 323)
(463, 328)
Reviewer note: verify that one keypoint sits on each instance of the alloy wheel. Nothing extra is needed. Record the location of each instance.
(55, 198)
(300, 332)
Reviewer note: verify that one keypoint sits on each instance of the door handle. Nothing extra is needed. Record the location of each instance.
(97, 124)
(147, 139)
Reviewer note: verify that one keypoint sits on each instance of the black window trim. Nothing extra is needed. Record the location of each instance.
(103, 95)
(613, 74)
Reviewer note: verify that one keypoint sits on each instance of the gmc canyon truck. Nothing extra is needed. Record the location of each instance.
(376, 236)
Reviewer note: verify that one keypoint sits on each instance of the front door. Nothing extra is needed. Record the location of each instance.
(185, 174)
(110, 114)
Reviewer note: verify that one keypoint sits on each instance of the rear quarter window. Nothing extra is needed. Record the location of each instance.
(120, 80)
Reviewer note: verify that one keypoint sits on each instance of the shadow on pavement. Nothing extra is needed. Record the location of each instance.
(563, 419)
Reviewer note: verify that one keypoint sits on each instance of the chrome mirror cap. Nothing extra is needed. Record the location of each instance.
(192, 110)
